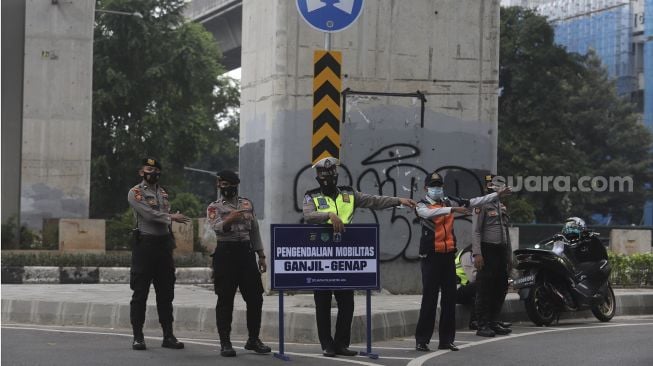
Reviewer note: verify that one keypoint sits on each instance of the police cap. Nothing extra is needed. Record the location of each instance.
(433, 179)
(151, 162)
(228, 176)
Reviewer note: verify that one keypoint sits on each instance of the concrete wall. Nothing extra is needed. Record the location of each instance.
(13, 42)
(446, 49)
(56, 144)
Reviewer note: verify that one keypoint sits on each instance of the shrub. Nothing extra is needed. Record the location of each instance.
(188, 204)
(118, 231)
(109, 259)
(631, 270)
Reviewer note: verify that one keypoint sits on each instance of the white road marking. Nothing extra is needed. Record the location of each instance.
(419, 361)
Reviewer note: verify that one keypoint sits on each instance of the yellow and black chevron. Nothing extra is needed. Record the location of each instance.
(326, 105)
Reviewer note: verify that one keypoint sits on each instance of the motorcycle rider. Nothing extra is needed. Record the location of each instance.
(587, 250)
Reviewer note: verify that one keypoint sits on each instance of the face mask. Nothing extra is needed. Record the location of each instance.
(328, 184)
(435, 192)
(229, 192)
(151, 178)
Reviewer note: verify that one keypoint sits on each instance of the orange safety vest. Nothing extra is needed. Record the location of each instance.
(443, 239)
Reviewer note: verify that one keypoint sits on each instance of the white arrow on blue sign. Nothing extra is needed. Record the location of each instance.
(330, 15)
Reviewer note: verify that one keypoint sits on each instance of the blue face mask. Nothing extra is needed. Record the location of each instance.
(435, 192)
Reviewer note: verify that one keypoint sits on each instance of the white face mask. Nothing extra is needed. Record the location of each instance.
(435, 192)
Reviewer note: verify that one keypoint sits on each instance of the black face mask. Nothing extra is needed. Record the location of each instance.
(152, 178)
(229, 192)
(328, 184)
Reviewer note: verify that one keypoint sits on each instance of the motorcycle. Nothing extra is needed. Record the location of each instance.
(553, 279)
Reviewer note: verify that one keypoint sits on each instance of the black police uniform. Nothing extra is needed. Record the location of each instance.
(152, 260)
(235, 267)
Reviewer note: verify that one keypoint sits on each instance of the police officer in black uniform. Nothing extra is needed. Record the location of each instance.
(234, 262)
(152, 260)
(491, 251)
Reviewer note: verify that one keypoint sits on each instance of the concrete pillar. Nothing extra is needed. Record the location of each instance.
(56, 144)
(447, 49)
(13, 42)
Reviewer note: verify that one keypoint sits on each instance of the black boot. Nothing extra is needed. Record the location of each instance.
(485, 331)
(139, 340)
(498, 329)
(226, 350)
(170, 341)
(255, 344)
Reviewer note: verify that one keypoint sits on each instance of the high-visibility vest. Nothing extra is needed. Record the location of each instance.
(342, 206)
(440, 237)
(460, 272)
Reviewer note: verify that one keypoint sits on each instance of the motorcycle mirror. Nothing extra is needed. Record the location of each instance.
(537, 246)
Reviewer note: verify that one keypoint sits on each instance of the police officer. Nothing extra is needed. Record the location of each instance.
(437, 250)
(234, 263)
(491, 250)
(466, 292)
(335, 205)
(152, 260)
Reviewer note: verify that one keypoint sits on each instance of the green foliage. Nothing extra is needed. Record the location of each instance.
(631, 270)
(521, 211)
(559, 115)
(9, 231)
(187, 203)
(115, 259)
(118, 231)
(28, 238)
(157, 91)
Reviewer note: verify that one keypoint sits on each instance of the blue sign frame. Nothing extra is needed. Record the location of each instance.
(313, 257)
(330, 15)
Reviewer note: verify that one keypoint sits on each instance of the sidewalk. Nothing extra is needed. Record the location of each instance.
(107, 305)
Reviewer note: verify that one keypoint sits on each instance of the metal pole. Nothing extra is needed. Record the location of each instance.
(327, 41)
(368, 308)
(281, 354)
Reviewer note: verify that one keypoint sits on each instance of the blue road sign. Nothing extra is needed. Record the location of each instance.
(310, 257)
(330, 15)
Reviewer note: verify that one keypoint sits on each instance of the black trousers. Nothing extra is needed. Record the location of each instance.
(438, 274)
(492, 282)
(235, 267)
(466, 295)
(152, 262)
(345, 300)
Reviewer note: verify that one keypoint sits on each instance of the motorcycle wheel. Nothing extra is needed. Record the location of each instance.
(605, 311)
(539, 307)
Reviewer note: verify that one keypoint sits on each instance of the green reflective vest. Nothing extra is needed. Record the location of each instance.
(460, 272)
(343, 206)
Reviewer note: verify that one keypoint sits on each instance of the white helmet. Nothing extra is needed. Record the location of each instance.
(574, 227)
(326, 163)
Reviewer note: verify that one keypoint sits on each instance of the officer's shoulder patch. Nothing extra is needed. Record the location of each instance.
(246, 204)
(477, 210)
(138, 195)
(345, 197)
(308, 198)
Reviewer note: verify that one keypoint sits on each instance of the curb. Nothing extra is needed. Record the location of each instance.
(299, 325)
(92, 275)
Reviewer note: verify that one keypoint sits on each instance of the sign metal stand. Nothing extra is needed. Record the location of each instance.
(281, 355)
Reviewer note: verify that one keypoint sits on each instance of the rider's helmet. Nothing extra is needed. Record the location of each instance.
(573, 228)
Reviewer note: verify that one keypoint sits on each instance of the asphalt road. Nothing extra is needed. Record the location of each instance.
(625, 341)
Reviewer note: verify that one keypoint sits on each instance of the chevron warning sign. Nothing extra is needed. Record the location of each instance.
(326, 105)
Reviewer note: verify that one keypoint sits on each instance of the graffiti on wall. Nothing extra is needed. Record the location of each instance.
(394, 170)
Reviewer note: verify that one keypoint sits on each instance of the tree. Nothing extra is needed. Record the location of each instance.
(157, 91)
(559, 115)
